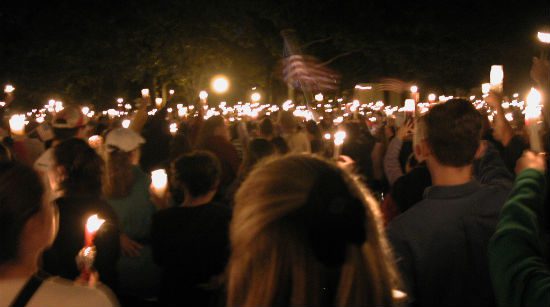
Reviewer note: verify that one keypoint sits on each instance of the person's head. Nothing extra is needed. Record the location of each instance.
(196, 174)
(266, 128)
(306, 233)
(77, 169)
(68, 123)
(287, 122)
(28, 223)
(121, 154)
(313, 130)
(213, 126)
(257, 150)
(452, 134)
(280, 145)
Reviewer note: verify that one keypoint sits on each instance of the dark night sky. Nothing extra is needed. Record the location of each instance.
(80, 48)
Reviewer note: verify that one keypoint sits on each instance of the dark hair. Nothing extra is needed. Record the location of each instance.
(21, 196)
(257, 150)
(266, 127)
(280, 145)
(62, 134)
(83, 167)
(198, 171)
(453, 131)
(5, 153)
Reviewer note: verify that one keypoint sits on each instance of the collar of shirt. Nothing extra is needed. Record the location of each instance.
(446, 192)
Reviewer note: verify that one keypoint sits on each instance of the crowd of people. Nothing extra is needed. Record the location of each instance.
(443, 209)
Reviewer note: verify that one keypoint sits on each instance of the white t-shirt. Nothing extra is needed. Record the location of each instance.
(58, 292)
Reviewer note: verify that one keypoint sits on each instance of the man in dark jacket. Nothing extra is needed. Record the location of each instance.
(441, 242)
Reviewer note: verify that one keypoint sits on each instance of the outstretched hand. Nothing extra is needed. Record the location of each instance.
(531, 160)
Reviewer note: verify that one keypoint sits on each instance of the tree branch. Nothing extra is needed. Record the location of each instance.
(339, 56)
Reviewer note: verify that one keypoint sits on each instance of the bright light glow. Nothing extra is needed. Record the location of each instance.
(158, 102)
(516, 95)
(40, 120)
(203, 95)
(485, 88)
(95, 141)
(9, 89)
(93, 224)
(145, 92)
(431, 97)
(532, 110)
(126, 123)
(319, 97)
(171, 92)
(17, 124)
(363, 88)
(85, 110)
(497, 76)
(255, 97)
(159, 180)
(173, 128)
(409, 105)
(339, 138)
(414, 89)
(220, 84)
(544, 37)
(120, 100)
(327, 136)
(128, 106)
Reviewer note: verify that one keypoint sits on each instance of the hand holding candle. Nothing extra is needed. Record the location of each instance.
(159, 182)
(86, 257)
(532, 116)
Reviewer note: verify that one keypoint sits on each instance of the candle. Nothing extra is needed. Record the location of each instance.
(431, 98)
(159, 180)
(532, 115)
(145, 92)
(496, 77)
(9, 89)
(409, 108)
(17, 124)
(126, 123)
(92, 226)
(485, 88)
(158, 102)
(173, 128)
(338, 142)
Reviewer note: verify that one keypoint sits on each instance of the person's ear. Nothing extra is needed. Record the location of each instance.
(422, 151)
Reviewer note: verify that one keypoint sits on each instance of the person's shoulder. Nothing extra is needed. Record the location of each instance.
(67, 293)
(419, 213)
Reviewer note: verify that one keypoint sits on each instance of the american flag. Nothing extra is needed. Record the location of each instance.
(306, 72)
(393, 85)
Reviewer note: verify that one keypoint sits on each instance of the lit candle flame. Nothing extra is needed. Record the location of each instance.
(485, 88)
(339, 138)
(145, 92)
(203, 95)
(126, 123)
(17, 124)
(94, 223)
(409, 105)
(544, 37)
(159, 179)
(532, 111)
(414, 89)
(9, 89)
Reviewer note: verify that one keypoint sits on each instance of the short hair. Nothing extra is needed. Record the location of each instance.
(198, 171)
(21, 196)
(453, 132)
(62, 134)
(83, 167)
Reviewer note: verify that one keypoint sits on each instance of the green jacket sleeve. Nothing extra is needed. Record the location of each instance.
(519, 273)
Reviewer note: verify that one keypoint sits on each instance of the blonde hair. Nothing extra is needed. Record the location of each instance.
(272, 261)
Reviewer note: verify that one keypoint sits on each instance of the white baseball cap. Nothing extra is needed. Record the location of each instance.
(123, 139)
